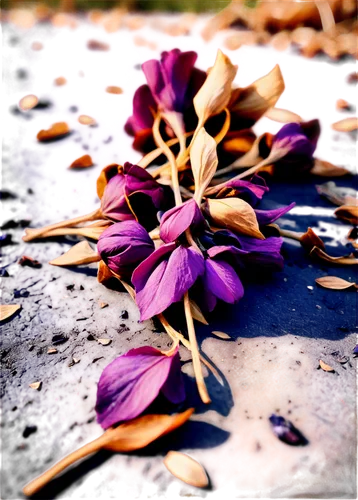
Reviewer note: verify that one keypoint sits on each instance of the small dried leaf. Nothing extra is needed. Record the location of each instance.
(345, 260)
(346, 125)
(283, 116)
(86, 120)
(112, 89)
(343, 104)
(102, 305)
(57, 130)
(348, 213)
(36, 386)
(82, 162)
(81, 253)
(338, 195)
(326, 169)
(310, 239)
(254, 101)
(235, 214)
(186, 469)
(214, 95)
(104, 341)
(325, 367)
(335, 283)
(196, 312)
(51, 350)
(221, 335)
(60, 81)
(96, 45)
(204, 162)
(28, 102)
(7, 311)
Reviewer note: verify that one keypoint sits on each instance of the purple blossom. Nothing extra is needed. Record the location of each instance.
(122, 189)
(144, 106)
(177, 220)
(132, 382)
(124, 245)
(165, 276)
(286, 431)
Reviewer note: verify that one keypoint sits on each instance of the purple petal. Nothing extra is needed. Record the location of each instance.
(168, 282)
(131, 382)
(268, 216)
(153, 73)
(292, 137)
(113, 203)
(143, 105)
(265, 253)
(145, 269)
(286, 431)
(177, 220)
(138, 180)
(173, 388)
(177, 69)
(222, 281)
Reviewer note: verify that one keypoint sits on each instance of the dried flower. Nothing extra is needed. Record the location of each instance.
(178, 219)
(124, 245)
(249, 191)
(132, 381)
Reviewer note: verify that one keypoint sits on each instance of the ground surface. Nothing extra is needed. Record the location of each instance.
(279, 330)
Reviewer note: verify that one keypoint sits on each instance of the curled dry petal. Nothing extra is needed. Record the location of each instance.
(348, 213)
(81, 253)
(309, 240)
(265, 217)
(186, 468)
(106, 174)
(132, 381)
(178, 219)
(335, 283)
(56, 131)
(8, 311)
(82, 162)
(344, 260)
(234, 214)
(204, 162)
(214, 95)
(252, 102)
(326, 169)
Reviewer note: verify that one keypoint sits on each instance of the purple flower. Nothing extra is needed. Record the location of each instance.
(132, 381)
(177, 220)
(249, 191)
(124, 245)
(286, 431)
(144, 106)
(265, 217)
(165, 276)
(118, 202)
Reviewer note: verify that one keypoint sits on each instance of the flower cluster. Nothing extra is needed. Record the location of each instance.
(181, 232)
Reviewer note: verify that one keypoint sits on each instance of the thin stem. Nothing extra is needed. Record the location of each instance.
(326, 15)
(148, 158)
(195, 352)
(169, 154)
(88, 232)
(293, 235)
(32, 234)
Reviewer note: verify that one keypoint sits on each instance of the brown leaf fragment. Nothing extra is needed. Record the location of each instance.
(79, 254)
(326, 169)
(28, 102)
(86, 120)
(345, 260)
(36, 386)
(129, 436)
(112, 89)
(51, 350)
(342, 104)
(97, 45)
(102, 305)
(338, 195)
(104, 341)
(29, 261)
(334, 283)
(61, 80)
(56, 131)
(221, 335)
(186, 469)
(348, 213)
(82, 162)
(325, 367)
(8, 311)
(346, 125)
(310, 239)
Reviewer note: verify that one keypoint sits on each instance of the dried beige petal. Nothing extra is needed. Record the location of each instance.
(57, 130)
(346, 125)
(60, 81)
(338, 195)
(129, 436)
(36, 386)
(102, 305)
(343, 104)
(204, 162)
(325, 367)
(326, 169)
(196, 312)
(283, 116)
(104, 341)
(348, 213)
(86, 120)
(82, 162)
(335, 283)
(81, 253)
(8, 311)
(235, 214)
(214, 95)
(221, 335)
(112, 89)
(104, 274)
(254, 101)
(309, 239)
(186, 469)
(28, 102)
(51, 350)
(344, 260)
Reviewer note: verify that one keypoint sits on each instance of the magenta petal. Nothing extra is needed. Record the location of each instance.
(131, 382)
(222, 281)
(168, 282)
(144, 270)
(264, 253)
(138, 180)
(143, 105)
(177, 220)
(173, 388)
(268, 216)
(113, 203)
(153, 73)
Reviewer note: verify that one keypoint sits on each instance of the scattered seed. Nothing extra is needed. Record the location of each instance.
(186, 469)
(28, 102)
(102, 305)
(51, 350)
(86, 120)
(96, 45)
(104, 341)
(112, 89)
(221, 335)
(56, 131)
(60, 81)
(36, 386)
(82, 162)
(325, 367)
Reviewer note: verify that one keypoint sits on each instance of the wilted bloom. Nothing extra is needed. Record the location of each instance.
(132, 382)
(165, 276)
(178, 219)
(118, 201)
(172, 84)
(124, 245)
(286, 431)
